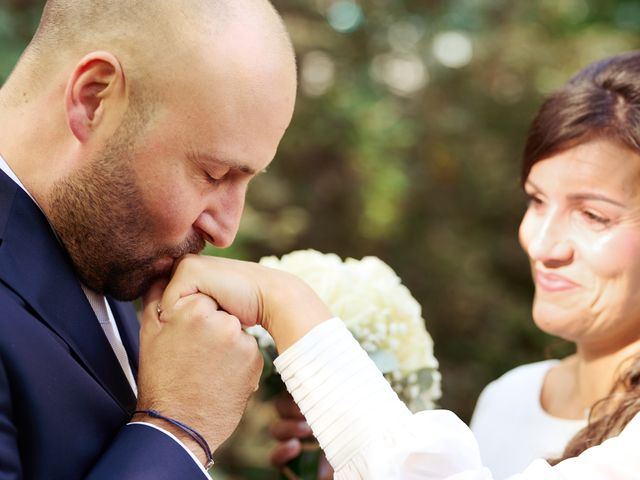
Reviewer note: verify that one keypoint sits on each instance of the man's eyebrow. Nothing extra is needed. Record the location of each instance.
(229, 163)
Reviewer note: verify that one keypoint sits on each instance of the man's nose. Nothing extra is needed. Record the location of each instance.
(221, 217)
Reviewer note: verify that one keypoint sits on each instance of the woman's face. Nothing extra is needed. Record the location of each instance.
(581, 232)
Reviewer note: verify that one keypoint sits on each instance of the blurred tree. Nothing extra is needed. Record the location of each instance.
(406, 144)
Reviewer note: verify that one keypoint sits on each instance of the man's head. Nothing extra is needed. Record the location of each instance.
(155, 116)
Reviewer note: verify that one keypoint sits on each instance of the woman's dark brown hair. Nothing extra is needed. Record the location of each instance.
(611, 414)
(601, 102)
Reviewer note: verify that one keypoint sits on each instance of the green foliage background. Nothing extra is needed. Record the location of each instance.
(425, 179)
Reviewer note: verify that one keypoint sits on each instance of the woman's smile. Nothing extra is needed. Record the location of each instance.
(552, 282)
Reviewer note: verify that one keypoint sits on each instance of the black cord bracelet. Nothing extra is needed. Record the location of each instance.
(199, 439)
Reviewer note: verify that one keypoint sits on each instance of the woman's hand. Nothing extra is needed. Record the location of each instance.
(289, 429)
(278, 301)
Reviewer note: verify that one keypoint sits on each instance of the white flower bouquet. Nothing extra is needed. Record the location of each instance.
(380, 313)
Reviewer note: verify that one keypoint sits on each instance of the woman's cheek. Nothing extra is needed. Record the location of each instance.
(612, 253)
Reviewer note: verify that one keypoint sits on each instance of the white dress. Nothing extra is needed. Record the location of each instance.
(368, 433)
(510, 425)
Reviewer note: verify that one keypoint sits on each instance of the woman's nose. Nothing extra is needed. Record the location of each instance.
(549, 241)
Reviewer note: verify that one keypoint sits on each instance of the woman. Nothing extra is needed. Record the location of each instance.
(580, 237)
(582, 234)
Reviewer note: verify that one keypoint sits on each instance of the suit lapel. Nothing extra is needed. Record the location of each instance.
(36, 267)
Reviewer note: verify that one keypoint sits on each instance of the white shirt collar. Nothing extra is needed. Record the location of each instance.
(4, 166)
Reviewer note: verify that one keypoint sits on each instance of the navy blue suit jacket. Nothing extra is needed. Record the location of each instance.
(64, 400)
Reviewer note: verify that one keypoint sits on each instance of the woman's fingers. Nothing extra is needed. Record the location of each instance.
(284, 452)
(229, 282)
(287, 408)
(284, 430)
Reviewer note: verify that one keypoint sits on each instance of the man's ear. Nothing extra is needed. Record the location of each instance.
(95, 89)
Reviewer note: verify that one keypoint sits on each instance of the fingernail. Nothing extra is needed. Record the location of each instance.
(304, 428)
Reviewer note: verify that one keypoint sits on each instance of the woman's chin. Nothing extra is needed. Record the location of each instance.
(557, 321)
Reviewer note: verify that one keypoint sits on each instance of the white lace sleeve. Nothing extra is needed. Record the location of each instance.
(362, 426)
(368, 433)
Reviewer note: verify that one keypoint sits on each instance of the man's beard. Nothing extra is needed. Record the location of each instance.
(100, 217)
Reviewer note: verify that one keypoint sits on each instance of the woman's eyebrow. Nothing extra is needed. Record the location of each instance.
(596, 196)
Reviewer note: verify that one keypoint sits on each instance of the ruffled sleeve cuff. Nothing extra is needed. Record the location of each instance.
(361, 424)
(368, 433)
(339, 390)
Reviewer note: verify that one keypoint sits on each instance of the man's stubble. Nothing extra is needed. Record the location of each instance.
(100, 216)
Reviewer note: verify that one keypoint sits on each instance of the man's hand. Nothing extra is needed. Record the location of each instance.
(278, 301)
(197, 366)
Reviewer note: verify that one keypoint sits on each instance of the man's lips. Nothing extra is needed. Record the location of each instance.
(553, 282)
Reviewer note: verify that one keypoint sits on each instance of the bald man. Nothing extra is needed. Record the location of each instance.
(129, 131)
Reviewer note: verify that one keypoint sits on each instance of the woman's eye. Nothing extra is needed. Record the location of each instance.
(533, 200)
(593, 217)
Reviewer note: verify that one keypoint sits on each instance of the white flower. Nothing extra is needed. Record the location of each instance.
(379, 311)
